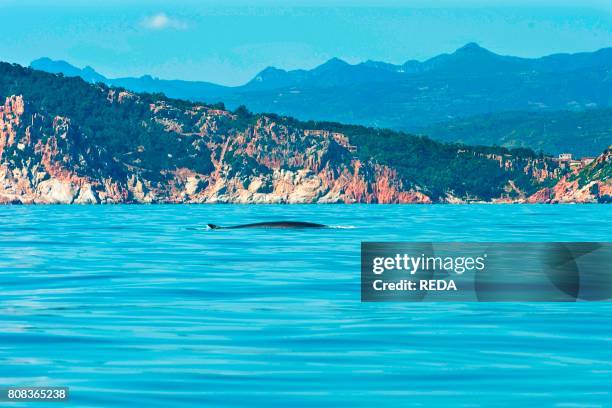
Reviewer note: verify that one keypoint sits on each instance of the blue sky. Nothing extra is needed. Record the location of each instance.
(229, 41)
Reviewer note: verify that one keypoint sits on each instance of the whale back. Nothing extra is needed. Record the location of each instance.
(272, 224)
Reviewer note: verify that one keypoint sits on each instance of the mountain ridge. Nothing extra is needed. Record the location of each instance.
(412, 96)
(555, 62)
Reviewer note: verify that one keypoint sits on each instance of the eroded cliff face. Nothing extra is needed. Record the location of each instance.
(39, 162)
(179, 152)
(47, 160)
(589, 184)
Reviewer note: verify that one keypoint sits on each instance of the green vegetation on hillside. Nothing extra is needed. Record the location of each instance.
(123, 131)
(438, 167)
(128, 133)
(598, 170)
(584, 133)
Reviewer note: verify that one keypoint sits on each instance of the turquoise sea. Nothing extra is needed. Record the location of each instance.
(142, 306)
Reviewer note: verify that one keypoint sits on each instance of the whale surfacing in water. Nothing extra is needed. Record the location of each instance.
(273, 224)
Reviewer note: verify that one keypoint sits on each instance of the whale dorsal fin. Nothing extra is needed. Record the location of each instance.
(213, 226)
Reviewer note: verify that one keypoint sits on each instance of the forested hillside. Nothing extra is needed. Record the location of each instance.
(582, 133)
(66, 140)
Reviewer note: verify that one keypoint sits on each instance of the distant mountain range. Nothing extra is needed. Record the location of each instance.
(190, 90)
(412, 96)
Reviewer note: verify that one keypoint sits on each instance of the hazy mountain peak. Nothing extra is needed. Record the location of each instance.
(333, 63)
(268, 71)
(270, 78)
(53, 66)
(41, 60)
(268, 75)
(62, 67)
(472, 48)
(89, 71)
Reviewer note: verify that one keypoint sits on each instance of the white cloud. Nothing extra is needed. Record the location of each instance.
(162, 21)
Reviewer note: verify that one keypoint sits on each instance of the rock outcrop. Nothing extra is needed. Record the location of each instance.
(589, 184)
(265, 162)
